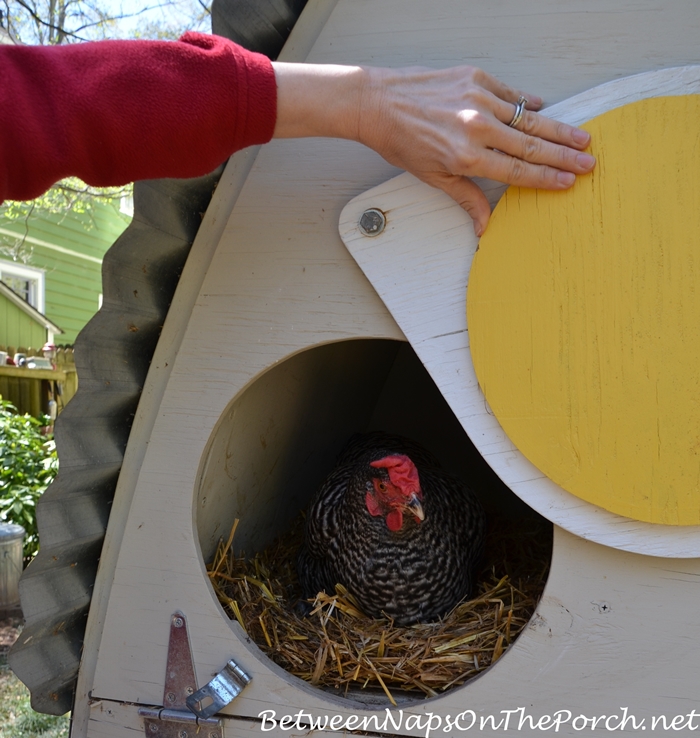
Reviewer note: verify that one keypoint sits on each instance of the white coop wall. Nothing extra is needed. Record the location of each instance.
(269, 279)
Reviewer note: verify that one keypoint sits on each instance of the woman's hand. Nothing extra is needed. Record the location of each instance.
(443, 126)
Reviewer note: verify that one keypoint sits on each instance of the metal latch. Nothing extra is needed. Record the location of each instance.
(186, 712)
(221, 690)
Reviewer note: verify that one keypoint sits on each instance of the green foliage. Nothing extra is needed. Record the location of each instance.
(71, 194)
(70, 21)
(56, 21)
(28, 464)
(60, 22)
(18, 720)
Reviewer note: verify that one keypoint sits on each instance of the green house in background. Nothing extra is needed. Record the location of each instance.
(54, 262)
(23, 325)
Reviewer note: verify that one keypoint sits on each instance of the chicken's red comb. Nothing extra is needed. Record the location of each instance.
(402, 472)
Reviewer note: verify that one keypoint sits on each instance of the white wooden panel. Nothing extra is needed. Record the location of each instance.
(281, 281)
(603, 637)
(420, 266)
(552, 48)
(118, 720)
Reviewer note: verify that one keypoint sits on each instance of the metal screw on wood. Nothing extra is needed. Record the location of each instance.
(153, 728)
(189, 690)
(178, 622)
(170, 697)
(372, 222)
(182, 734)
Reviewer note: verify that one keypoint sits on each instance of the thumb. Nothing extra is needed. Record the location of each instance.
(469, 196)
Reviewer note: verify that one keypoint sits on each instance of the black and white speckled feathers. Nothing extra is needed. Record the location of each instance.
(417, 573)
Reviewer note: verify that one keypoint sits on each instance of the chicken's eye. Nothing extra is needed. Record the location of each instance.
(382, 487)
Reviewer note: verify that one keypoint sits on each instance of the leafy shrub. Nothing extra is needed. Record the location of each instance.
(28, 464)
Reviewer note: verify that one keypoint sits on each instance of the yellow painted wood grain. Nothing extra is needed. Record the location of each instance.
(583, 310)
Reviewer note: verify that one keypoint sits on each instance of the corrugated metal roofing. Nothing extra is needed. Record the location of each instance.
(113, 353)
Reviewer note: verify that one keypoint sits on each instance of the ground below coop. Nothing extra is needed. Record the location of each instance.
(339, 649)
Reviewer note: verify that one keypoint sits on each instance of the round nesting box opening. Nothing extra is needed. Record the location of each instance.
(273, 447)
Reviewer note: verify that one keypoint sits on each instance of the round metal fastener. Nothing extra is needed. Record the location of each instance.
(153, 728)
(189, 691)
(170, 697)
(372, 222)
(182, 734)
(178, 622)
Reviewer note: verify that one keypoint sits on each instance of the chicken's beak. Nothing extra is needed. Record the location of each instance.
(415, 507)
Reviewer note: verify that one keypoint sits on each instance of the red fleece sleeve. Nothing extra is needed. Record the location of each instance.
(115, 111)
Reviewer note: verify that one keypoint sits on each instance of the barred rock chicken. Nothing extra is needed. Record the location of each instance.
(397, 531)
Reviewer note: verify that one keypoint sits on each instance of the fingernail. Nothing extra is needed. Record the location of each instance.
(581, 137)
(566, 178)
(536, 100)
(478, 230)
(585, 161)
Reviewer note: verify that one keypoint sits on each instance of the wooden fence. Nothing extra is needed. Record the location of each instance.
(31, 390)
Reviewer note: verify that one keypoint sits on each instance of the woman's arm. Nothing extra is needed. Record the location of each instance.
(111, 112)
(114, 111)
(441, 125)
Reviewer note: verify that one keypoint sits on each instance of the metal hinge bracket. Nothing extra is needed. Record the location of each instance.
(188, 712)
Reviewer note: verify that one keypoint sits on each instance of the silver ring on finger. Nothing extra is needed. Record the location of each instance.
(519, 112)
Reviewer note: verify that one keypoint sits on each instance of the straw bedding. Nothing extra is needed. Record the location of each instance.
(338, 648)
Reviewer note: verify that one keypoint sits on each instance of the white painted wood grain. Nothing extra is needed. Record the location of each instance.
(116, 720)
(420, 267)
(277, 281)
(603, 637)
